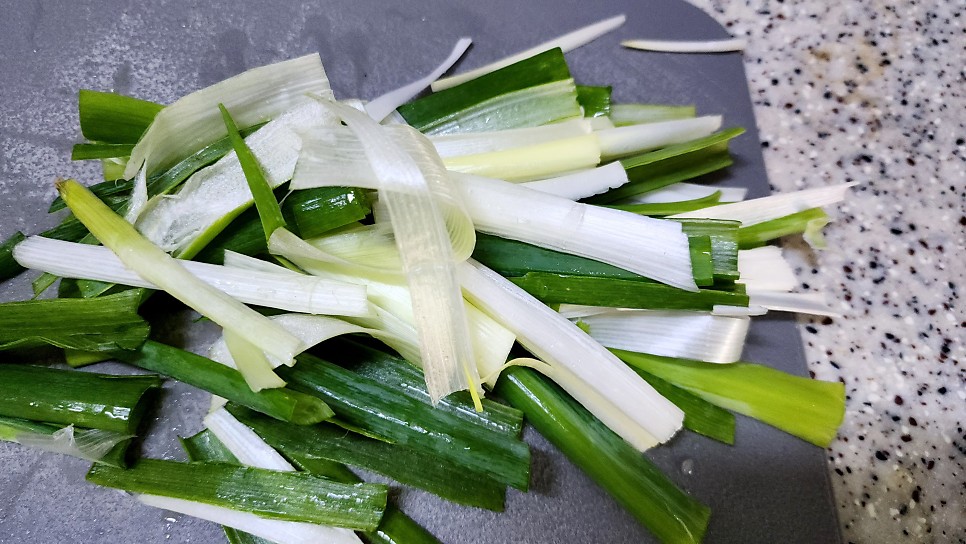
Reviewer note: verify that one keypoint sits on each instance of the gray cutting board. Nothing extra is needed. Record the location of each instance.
(768, 488)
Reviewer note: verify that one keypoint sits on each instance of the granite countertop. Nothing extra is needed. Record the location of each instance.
(873, 92)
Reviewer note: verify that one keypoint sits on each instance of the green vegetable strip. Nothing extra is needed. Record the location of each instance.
(394, 528)
(674, 163)
(387, 413)
(14, 430)
(759, 234)
(660, 209)
(70, 397)
(83, 152)
(632, 114)
(702, 263)
(311, 211)
(8, 266)
(409, 466)
(809, 409)
(546, 67)
(269, 211)
(700, 415)
(724, 244)
(104, 324)
(594, 100)
(389, 369)
(227, 382)
(114, 118)
(620, 293)
(291, 496)
(621, 470)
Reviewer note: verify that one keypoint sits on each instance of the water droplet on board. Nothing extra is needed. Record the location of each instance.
(687, 467)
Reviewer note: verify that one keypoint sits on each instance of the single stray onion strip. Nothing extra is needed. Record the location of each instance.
(682, 46)
(154, 265)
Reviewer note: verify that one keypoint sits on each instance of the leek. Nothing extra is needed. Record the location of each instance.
(104, 324)
(70, 397)
(670, 208)
(83, 152)
(700, 416)
(595, 101)
(635, 114)
(154, 265)
(93, 445)
(724, 244)
(287, 496)
(809, 409)
(677, 192)
(680, 46)
(622, 471)
(635, 139)
(218, 379)
(760, 210)
(584, 183)
(114, 118)
(8, 265)
(756, 235)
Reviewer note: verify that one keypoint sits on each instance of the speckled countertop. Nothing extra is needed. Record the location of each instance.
(874, 92)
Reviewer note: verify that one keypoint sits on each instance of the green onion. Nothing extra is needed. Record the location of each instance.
(621, 470)
(759, 210)
(8, 266)
(114, 118)
(620, 293)
(724, 244)
(620, 142)
(83, 152)
(809, 409)
(386, 412)
(270, 494)
(672, 164)
(103, 324)
(410, 466)
(797, 223)
(670, 208)
(634, 114)
(533, 91)
(700, 415)
(95, 445)
(70, 397)
(594, 100)
(228, 383)
(157, 267)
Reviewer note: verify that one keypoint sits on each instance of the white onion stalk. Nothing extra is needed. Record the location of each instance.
(688, 335)
(635, 114)
(567, 42)
(271, 288)
(802, 303)
(680, 46)
(273, 530)
(471, 143)
(428, 259)
(154, 265)
(653, 248)
(765, 269)
(624, 141)
(677, 192)
(759, 210)
(254, 96)
(584, 183)
(380, 107)
(606, 387)
(183, 222)
(88, 444)
(244, 443)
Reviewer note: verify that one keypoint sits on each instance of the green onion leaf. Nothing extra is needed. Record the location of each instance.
(700, 415)
(114, 118)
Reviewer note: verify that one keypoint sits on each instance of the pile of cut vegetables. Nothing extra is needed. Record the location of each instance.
(400, 284)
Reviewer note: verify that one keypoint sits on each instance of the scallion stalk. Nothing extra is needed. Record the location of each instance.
(634, 114)
(796, 223)
(114, 118)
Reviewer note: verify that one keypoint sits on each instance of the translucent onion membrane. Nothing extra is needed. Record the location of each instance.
(274, 530)
(591, 374)
(253, 97)
(653, 248)
(154, 265)
(424, 244)
(381, 107)
(688, 335)
(584, 183)
(682, 191)
(270, 288)
(759, 210)
(567, 42)
(185, 221)
(88, 444)
(682, 46)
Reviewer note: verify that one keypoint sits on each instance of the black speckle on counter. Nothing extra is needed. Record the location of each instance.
(873, 93)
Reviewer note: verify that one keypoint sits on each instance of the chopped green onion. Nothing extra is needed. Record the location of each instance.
(567, 42)
(760, 210)
(809, 409)
(679, 191)
(801, 222)
(724, 244)
(83, 152)
(594, 100)
(157, 267)
(670, 208)
(584, 183)
(103, 324)
(70, 397)
(226, 382)
(700, 415)
(672, 46)
(288, 496)
(8, 265)
(114, 118)
(95, 445)
(621, 470)
(635, 114)
(635, 139)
